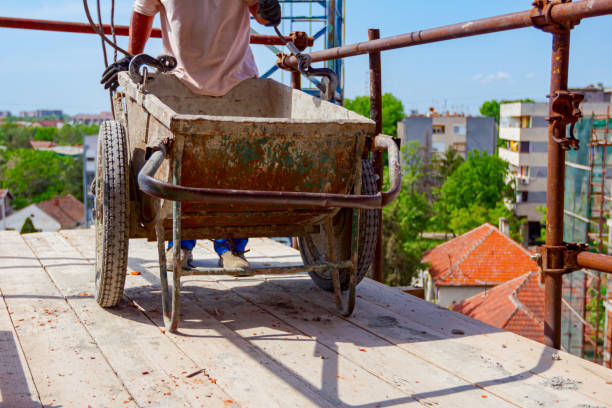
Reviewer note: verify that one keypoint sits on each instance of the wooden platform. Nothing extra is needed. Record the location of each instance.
(254, 342)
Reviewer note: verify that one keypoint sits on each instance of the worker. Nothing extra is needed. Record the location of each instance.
(210, 41)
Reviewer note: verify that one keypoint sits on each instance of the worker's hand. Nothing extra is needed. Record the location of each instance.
(270, 11)
(110, 74)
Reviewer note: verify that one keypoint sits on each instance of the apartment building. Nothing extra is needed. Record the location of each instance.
(525, 128)
(437, 133)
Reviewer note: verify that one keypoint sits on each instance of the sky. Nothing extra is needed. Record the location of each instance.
(46, 70)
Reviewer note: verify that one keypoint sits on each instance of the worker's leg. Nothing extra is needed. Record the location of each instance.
(187, 244)
(231, 253)
(224, 245)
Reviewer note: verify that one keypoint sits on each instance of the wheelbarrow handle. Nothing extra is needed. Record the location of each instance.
(167, 191)
(384, 142)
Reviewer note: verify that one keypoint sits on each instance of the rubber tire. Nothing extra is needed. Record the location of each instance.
(368, 235)
(112, 214)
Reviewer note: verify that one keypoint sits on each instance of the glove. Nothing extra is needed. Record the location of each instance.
(110, 74)
(270, 11)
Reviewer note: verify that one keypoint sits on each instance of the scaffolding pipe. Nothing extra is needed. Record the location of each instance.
(554, 194)
(560, 13)
(85, 28)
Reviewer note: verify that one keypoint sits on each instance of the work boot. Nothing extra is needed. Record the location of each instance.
(233, 260)
(186, 258)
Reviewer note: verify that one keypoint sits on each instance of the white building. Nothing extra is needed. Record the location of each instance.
(40, 219)
(525, 128)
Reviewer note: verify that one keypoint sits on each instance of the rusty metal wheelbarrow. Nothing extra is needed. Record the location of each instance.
(264, 160)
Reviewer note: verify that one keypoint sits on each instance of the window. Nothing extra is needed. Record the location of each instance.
(524, 196)
(525, 121)
(439, 129)
(459, 147)
(524, 171)
(459, 129)
(524, 147)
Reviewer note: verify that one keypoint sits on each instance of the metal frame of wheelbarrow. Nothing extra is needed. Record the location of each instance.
(177, 193)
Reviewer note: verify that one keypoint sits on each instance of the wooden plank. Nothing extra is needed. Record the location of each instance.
(150, 365)
(67, 367)
(354, 345)
(517, 353)
(591, 380)
(243, 370)
(17, 387)
(506, 378)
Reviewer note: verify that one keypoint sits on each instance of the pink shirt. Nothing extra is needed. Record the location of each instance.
(208, 38)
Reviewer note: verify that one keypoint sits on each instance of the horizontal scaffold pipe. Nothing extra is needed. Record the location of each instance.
(121, 30)
(560, 13)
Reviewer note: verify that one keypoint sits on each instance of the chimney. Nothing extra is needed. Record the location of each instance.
(504, 226)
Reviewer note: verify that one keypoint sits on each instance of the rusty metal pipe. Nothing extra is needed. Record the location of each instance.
(156, 188)
(376, 116)
(122, 30)
(560, 13)
(599, 262)
(386, 143)
(554, 194)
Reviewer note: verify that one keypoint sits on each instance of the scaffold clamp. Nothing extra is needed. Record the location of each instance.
(565, 107)
(558, 259)
(541, 16)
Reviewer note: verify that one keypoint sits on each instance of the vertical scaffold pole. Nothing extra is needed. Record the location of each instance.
(555, 192)
(376, 116)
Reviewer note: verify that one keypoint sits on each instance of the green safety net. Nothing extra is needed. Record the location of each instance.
(575, 225)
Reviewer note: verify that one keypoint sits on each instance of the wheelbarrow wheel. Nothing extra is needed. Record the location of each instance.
(368, 228)
(111, 214)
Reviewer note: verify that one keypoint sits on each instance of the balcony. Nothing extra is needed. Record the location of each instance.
(509, 156)
(537, 134)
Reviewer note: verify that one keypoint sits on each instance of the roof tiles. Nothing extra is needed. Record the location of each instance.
(516, 306)
(481, 257)
(66, 210)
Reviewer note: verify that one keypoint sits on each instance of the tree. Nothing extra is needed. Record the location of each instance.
(448, 163)
(392, 111)
(492, 107)
(37, 175)
(474, 194)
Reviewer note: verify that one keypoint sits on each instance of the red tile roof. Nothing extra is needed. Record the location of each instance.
(4, 192)
(516, 306)
(41, 144)
(66, 210)
(481, 257)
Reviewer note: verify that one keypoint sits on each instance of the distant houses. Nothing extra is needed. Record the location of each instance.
(473, 263)
(64, 212)
(516, 306)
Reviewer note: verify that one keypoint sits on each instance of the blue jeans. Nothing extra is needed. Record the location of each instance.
(221, 245)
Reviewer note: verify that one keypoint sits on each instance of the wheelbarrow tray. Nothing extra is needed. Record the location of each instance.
(262, 136)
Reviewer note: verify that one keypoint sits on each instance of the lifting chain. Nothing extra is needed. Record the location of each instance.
(329, 79)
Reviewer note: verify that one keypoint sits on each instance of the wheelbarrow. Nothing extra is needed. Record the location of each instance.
(265, 160)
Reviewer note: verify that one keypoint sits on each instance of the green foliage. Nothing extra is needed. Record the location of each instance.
(475, 193)
(406, 219)
(392, 111)
(15, 137)
(28, 227)
(37, 175)
(18, 137)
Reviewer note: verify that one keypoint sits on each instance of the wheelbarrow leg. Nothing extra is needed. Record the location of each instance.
(175, 313)
(163, 269)
(344, 309)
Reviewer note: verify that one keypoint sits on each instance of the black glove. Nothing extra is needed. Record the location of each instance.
(109, 76)
(270, 10)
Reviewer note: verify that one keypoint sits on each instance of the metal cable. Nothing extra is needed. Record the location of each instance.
(101, 39)
(100, 32)
(112, 24)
